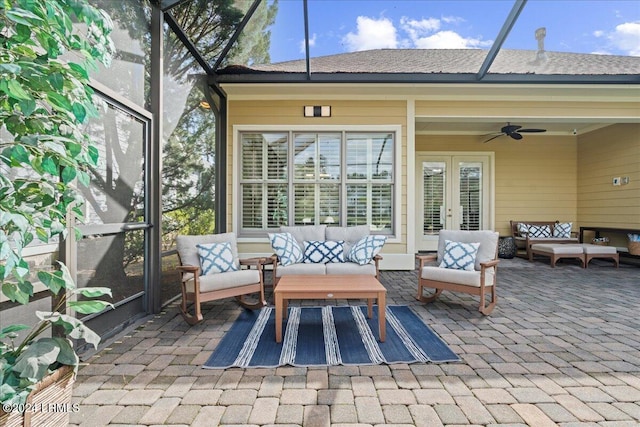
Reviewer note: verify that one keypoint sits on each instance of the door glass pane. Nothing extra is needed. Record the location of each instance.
(470, 196)
(433, 175)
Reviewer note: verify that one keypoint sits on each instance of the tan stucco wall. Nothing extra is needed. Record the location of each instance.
(604, 154)
(288, 113)
(535, 178)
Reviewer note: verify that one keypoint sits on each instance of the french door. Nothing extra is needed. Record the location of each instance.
(453, 192)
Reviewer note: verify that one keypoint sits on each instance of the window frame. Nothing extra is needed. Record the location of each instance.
(396, 182)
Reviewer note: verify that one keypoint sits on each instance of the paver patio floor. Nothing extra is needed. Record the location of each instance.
(562, 348)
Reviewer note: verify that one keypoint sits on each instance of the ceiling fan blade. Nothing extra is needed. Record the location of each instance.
(515, 135)
(493, 137)
(510, 128)
(532, 130)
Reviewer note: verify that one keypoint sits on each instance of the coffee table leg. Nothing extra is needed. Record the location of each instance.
(279, 301)
(370, 307)
(382, 316)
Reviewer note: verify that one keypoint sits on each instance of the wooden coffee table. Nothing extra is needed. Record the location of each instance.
(330, 287)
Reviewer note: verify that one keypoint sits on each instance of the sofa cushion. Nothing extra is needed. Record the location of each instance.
(351, 268)
(302, 268)
(562, 229)
(286, 248)
(488, 243)
(350, 235)
(304, 233)
(323, 251)
(459, 255)
(215, 258)
(365, 249)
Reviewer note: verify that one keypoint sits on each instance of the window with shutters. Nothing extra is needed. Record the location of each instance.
(303, 178)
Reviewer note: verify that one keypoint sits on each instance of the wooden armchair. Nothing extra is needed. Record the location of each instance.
(210, 269)
(479, 279)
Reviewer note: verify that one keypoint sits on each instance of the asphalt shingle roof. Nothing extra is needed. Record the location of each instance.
(453, 61)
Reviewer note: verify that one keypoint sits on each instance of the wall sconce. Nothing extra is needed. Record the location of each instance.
(317, 110)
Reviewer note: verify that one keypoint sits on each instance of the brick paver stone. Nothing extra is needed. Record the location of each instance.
(316, 416)
(532, 415)
(160, 411)
(369, 410)
(264, 411)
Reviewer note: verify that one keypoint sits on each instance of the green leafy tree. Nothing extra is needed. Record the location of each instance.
(44, 101)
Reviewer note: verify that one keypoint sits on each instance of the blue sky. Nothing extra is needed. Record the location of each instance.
(339, 26)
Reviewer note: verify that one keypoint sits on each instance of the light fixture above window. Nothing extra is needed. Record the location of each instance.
(317, 110)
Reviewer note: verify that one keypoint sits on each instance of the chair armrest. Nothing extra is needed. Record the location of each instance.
(493, 263)
(426, 258)
(188, 268)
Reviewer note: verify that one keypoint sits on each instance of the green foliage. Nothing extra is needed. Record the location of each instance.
(47, 50)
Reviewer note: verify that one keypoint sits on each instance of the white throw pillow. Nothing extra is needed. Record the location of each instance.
(323, 251)
(366, 248)
(215, 258)
(286, 248)
(459, 256)
(562, 229)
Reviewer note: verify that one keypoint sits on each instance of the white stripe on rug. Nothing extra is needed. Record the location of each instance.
(331, 346)
(290, 341)
(405, 337)
(369, 341)
(251, 343)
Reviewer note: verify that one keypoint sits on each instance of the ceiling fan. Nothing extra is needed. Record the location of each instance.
(514, 132)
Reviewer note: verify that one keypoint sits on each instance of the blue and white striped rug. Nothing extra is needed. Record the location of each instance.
(326, 336)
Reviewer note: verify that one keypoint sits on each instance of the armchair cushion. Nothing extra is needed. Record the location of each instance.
(323, 251)
(488, 243)
(188, 251)
(459, 256)
(365, 249)
(215, 258)
(286, 248)
(461, 277)
(232, 279)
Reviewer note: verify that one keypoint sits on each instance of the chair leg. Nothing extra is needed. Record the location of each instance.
(486, 310)
(429, 298)
(251, 306)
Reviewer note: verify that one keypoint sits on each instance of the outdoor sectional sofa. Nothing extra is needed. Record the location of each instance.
(527, 233)
(319, 234)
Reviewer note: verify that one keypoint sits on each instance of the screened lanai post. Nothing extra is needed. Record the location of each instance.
(502, 35)
(153, 242)
(218, 103)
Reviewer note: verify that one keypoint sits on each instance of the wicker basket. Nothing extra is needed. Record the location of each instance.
(634, 248)
(50, 400)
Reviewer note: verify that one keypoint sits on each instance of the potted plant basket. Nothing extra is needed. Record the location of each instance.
(45, 101)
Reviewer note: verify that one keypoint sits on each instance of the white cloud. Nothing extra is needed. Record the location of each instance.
(312, 43)
(598, 33)
(449, 40)
(426, 33)
(372, 34)
(626, 37)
